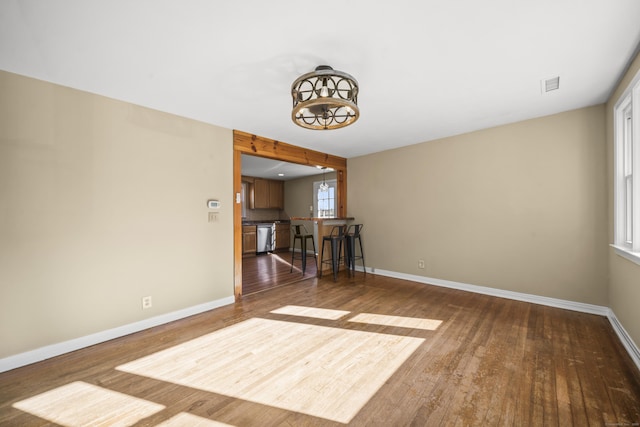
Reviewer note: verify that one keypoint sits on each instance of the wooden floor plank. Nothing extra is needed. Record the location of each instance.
(271, 270)
(491, 361)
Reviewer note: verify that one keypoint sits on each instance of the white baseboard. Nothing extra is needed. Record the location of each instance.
(518, 296)
(624, 337)
(53, 350)
(626, 340)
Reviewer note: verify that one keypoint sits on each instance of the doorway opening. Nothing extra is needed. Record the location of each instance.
(266, 218)
(244, 143)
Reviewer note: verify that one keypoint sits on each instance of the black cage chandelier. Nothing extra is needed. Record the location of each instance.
(325, 99)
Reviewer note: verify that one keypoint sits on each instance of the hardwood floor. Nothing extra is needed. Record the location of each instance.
(267, 271)
(395, 352)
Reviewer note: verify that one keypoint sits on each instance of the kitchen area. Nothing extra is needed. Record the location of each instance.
(265, 225)
(307, 183)
(268, 192)
(276, 195)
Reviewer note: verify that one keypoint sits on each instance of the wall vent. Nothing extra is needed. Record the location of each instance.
(552, 83)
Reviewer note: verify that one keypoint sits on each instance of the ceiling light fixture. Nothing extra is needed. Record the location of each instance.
(325, 99)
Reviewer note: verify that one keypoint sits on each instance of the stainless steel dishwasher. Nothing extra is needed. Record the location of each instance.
(266, 237)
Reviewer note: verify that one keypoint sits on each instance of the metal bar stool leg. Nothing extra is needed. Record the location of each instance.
(304, 254)
(364, 268)
(321, 260)
(336, 241)
(293, 253)
(353, 233)
(315, 253)
(351, 264)
(336, 250)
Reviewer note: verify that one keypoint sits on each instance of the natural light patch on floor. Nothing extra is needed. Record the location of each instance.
(403, 322)
(189, 420)
(81, 404)
(316, 370)
(318, 313)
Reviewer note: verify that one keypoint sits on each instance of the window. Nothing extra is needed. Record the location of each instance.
(324, 202)
(627, 172)
(244, 197)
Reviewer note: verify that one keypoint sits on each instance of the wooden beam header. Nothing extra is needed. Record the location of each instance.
(270, 148)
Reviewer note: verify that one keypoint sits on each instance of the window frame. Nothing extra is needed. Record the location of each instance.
(244, 197)
(333, 183)
(626, 116)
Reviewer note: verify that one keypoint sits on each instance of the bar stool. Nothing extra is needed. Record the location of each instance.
(336, 240)
(300, 233)
(353, 233)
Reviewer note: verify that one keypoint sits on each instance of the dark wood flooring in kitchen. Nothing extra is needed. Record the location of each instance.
(268, 271)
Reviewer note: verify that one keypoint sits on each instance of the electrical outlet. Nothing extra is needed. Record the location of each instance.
(213, 216)
(146, 302)
(421, 263)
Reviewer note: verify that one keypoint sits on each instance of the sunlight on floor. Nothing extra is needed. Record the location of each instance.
(317, 313)
(81, 404)
(403, 322)
(316, 370)
(281, 260)
(320, 371)
(189, 420)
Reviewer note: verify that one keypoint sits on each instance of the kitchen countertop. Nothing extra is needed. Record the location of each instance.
(304, 218)
(266, 221)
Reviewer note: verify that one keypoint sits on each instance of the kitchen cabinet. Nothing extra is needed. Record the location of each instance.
(260, 194)
(249, 240)
(266, 194)
(276, 194)
(283, 237)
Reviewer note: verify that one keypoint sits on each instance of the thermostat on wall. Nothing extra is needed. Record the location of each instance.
(213, 204)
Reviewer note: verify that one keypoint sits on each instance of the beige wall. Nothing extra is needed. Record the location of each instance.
(298, 194)
(102, 203)
(520, 207)
(624, 286)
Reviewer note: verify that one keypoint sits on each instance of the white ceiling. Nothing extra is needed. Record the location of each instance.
(274, 169)
(427, 69)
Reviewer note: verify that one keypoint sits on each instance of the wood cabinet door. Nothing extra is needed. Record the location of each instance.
(276, 194)
(283, 236)
(266, 194)
(261, 193)
(249, 240)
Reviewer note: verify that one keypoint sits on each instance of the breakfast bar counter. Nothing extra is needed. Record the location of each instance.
(322, 227)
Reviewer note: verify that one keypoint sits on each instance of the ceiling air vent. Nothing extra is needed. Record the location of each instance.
(552, 83)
